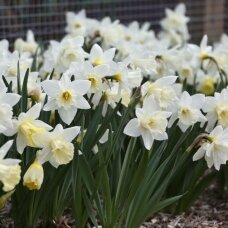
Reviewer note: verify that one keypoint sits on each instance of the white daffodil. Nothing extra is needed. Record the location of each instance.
(66, 96)
(162, 90)
(206, 82)
(216, 108)
(127, 78)
(33, 85)
(71, 51)
(56, 145)
(205, 50)
(142, 59)
(60, 55)
(10, 171)
(34, 176)
(110, 31)
(176, 21)
(27, 126)
(187, 110)
(4, 48)
(186, 72)
(94, 74)
(150, 123)
(215, 148)
(111, 96)
(29, 45)
(9, 66)
(98, 56)
(86, 71)
(79, 24)
(185, 64)
(76, 23)
(7, 101)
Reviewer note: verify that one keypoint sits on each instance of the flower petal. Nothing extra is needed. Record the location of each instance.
(34, 112)
(51, 105)
(132, 128)
(70, 133)
(147, 139)
(21, 143)
(4, 149)
(81, 87)
(51, 87)
(11, 98)
(67, 115)
(81, 103)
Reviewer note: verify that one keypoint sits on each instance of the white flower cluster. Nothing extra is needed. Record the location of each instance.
(106, 61)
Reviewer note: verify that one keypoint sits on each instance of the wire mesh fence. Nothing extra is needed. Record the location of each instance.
(47, 18)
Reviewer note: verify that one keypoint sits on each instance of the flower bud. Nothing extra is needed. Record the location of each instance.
(34, 176)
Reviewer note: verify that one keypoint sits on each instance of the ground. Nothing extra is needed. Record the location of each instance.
(211, 210)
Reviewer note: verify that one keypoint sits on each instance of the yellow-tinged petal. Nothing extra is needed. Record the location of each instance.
(62, 151)
(28, 130)
(34, 176)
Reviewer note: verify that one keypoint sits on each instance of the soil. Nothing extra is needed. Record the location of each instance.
(211, 210)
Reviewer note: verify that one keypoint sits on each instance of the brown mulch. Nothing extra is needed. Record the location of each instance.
(211, 210)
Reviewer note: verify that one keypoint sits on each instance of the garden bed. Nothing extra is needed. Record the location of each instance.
(211, 210)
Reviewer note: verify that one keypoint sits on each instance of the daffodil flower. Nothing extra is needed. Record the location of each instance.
(56, 145)
(187, 110)
(66, 96)
(7, 101)
(215, 149)
(162, 90)
(27, 126)
(216, 108)
(150, 123)
(205, 50)
(10, 170)
(34, 176)
(99, 57)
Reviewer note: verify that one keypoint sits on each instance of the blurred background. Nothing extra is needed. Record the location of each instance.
(47, 18)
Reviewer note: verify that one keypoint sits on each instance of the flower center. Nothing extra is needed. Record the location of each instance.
(93, 81)
(127, 37)
(222, 113)
(118, 77)
(31, 185)
(77, 25)
(153, 123)
(151, 88)
(185, 112)
(211, 139)
(185, 72)
(66, 98)
(66, 95)
(96, 82)
(208, 86)
(203, 55)
(98, 61)
(62, 151)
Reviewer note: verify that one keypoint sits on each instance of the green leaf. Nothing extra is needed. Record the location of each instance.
(5, 197)
(24, 94)
(197, 190)
(18, 79)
